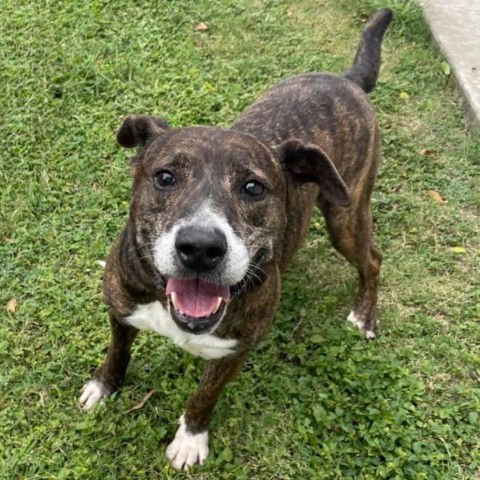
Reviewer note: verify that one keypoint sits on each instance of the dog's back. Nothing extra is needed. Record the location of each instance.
(317, 108)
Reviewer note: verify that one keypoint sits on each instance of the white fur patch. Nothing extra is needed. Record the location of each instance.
(153, 316)
(352, 318)
(369, 334)
(92, 392)
(187, 449)
(236, 259)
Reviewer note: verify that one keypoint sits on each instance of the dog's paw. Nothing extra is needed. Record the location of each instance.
(367, 333)
(352, 318)
(187, 449)
(92, 392)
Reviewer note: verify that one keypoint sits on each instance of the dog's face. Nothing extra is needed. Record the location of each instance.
(208, 206)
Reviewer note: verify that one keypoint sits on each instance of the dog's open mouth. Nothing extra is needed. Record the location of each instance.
(195, 305)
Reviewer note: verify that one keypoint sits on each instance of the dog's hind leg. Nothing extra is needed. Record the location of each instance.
(351, 230)
(111, 375)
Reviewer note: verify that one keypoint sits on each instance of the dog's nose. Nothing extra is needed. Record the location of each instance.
(200, 249)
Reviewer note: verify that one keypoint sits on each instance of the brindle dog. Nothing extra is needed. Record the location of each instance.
(216, 216)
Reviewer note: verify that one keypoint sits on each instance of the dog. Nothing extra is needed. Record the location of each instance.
(216, 216)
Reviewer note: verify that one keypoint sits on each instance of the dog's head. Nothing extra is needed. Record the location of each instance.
(208, 208)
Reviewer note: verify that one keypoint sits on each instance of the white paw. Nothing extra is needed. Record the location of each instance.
(352, 318)
(187, 449)
(368, 334)
(92, 392)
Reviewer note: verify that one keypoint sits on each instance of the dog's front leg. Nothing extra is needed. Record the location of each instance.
(110, 376)
(190, 445)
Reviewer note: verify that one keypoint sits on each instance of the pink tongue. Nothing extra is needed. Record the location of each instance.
(195, 297)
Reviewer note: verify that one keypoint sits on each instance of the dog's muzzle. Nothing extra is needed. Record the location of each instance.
(197, 305)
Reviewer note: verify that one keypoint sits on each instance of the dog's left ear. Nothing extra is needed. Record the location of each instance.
(307, 163)
(138, 130)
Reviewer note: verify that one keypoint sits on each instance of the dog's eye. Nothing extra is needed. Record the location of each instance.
(253, 189)
(164, 179)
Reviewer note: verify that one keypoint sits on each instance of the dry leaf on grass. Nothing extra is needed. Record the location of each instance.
(426, 151)
(12, 305)
(437, 197)
(201, 27)
(140, 405)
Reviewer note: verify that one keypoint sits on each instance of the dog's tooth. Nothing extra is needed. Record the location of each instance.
(173, 296)
(217, 306)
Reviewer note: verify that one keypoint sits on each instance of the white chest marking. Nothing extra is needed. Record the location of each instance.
(153, 316)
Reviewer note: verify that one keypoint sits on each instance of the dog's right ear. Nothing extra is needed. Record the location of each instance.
(138, 130)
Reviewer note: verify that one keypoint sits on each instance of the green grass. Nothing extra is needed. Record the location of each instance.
(314, 401)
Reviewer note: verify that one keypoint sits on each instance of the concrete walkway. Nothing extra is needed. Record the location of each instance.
(455, 26)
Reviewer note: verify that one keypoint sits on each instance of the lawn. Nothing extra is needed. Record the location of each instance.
(315, 400)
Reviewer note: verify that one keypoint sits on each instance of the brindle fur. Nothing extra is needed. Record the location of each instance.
(328, 117)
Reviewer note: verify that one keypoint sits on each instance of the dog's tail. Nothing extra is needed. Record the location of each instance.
(366, 65)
